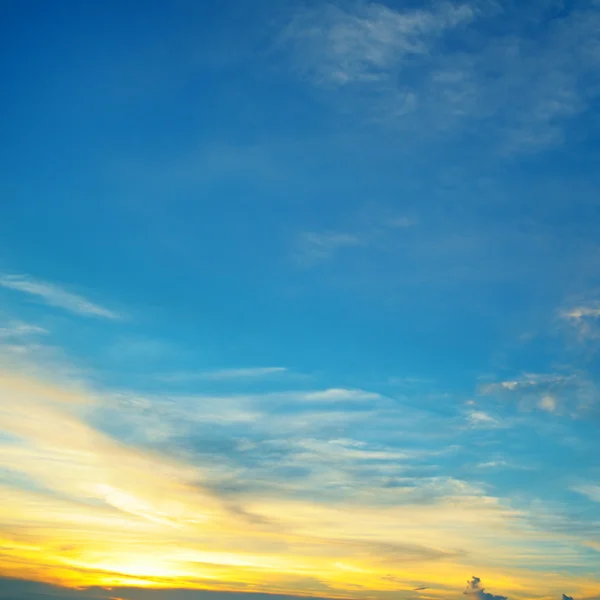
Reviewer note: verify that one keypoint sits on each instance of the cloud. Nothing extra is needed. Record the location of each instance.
(370, 228)
(475, 591)
(514, 74)
(400, 222)
(340, 395)
(547, 403)
(341, 47)
(590, 491)
(56, 296)
(583, 319)
(481, 419)
(313, 247)
(19, 589)
(20, 330)
(113, 488)
(569, 393)
(226, 374)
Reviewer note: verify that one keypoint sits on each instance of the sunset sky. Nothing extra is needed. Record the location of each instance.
(300, 298)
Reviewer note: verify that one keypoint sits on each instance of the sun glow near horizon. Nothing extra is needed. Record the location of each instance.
(88, 505)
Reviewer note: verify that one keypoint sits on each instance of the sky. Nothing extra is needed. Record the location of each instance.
(300, 298)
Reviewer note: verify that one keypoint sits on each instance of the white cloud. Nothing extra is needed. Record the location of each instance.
(571, 394)
(582, 312)
(590, 491)
(527, 382)
(19, 330)
(226, 374)
(547, 403)
(393, 66)
(56, 296)
(401, 222)
(481, 419)
(583, 319)
(315, 247)
(341, 395)
(340, 47)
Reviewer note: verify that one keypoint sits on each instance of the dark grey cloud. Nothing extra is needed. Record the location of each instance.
(477, 592)
(20, 589)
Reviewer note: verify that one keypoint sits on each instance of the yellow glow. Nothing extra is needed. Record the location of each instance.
(96, 512)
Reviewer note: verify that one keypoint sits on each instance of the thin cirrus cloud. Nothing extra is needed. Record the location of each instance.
(325, 473)
(583, 320)
(244, 373)
(20, 330)
(315, 247)
(54, 295)
(569, 393)
(105, 489)
(345, 46)
(366, 55)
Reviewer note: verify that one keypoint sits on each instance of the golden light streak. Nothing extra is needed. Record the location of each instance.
(85, 509)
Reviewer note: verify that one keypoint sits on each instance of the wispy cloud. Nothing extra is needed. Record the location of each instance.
(556, 393)
(407, 66)
(368, 229)
(400, 222)
(362, 45)
(225, 374)
(20, 330)
(314, 247)
(591, 491)
(249, 507)
(115, 488)
(583, 319)
(53, 295)
(481, 419)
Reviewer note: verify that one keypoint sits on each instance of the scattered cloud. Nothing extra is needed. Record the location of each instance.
(369, 228)
(593, 545)
(19, 330)
(526, 382)
(19, 589)
(340, 395)
(477, 592)
(566, 393)
(547, 403)
(114, 512)
(501, 463)
(55, 296)
(401, 222)
(481, 419)
(226, 374)
(583, 319)
(434, 70)
(315, 247)
(341, 46)
(589, 491)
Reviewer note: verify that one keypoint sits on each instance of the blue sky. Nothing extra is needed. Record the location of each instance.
(327, 270)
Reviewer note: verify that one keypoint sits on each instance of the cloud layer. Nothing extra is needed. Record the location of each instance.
(55, 296)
